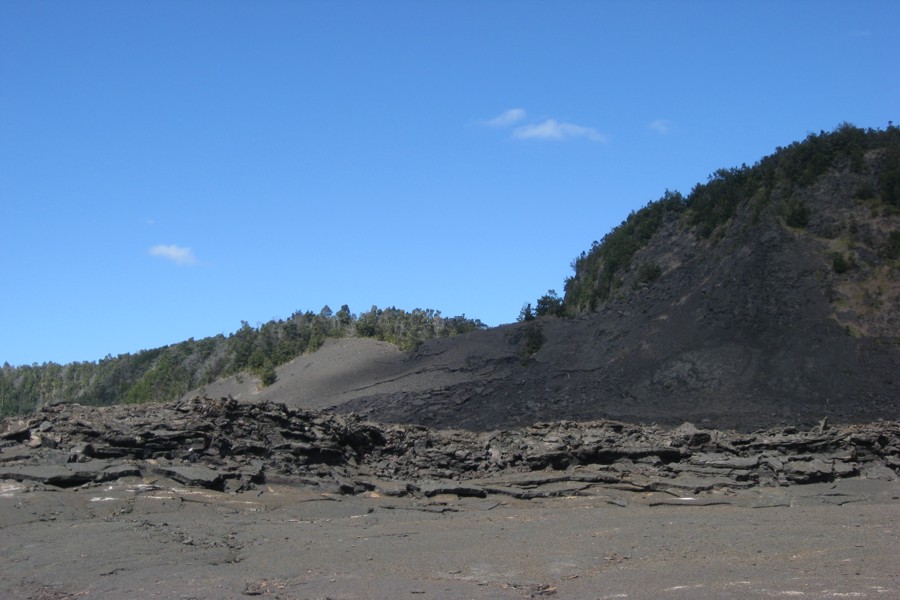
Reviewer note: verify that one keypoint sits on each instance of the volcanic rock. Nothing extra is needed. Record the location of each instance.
(227, 445)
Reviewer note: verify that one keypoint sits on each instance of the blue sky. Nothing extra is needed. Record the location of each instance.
(168, 169)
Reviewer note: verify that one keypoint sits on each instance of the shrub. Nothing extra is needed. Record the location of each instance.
(267, 375)
(529, 337)
(797, 215)
(839, 263)
(864, 192)
(891, 248)
(532, 339)
(647, 273)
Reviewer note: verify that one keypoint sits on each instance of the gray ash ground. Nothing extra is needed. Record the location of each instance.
(215, 498)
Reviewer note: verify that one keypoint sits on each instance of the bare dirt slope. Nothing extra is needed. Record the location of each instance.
(339, 371)
(351, 369)
(641, 360)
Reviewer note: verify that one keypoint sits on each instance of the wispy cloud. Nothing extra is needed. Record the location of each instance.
(177, 254)
(548, 129)
(551, 129)
(509, 117)
(660, 126)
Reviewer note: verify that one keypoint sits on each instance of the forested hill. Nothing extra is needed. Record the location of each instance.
(166, 373)
(869, 161)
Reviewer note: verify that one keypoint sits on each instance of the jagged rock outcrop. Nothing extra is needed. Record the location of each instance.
(228, 445)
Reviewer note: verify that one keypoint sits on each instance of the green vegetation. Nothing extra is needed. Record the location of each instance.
(889, 179)
(647, 273)
(597, 272)
(526, 314)
(529, 337)
(891, 250)
(797, 215)
(532, 340)
(864, 192)
(166, 373)
(715, 202)
(550, 304)
(840, 263)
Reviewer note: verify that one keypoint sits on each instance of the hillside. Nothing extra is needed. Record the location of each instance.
(768, 295)
(250, 353)
(841, 187)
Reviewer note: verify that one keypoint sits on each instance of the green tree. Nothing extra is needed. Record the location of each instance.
(550, 304)
(532, 340)
(798, 214)
(526, 314)
(344, 317)
(267, 375)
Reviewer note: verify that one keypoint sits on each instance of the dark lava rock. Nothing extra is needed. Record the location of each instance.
(195, 476)
(70, 475)
(226, 445)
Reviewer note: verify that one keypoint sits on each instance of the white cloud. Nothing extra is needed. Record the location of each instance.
(177, 254)
(509, 117)
(551, 129)
(548, 129)
(660, 126)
